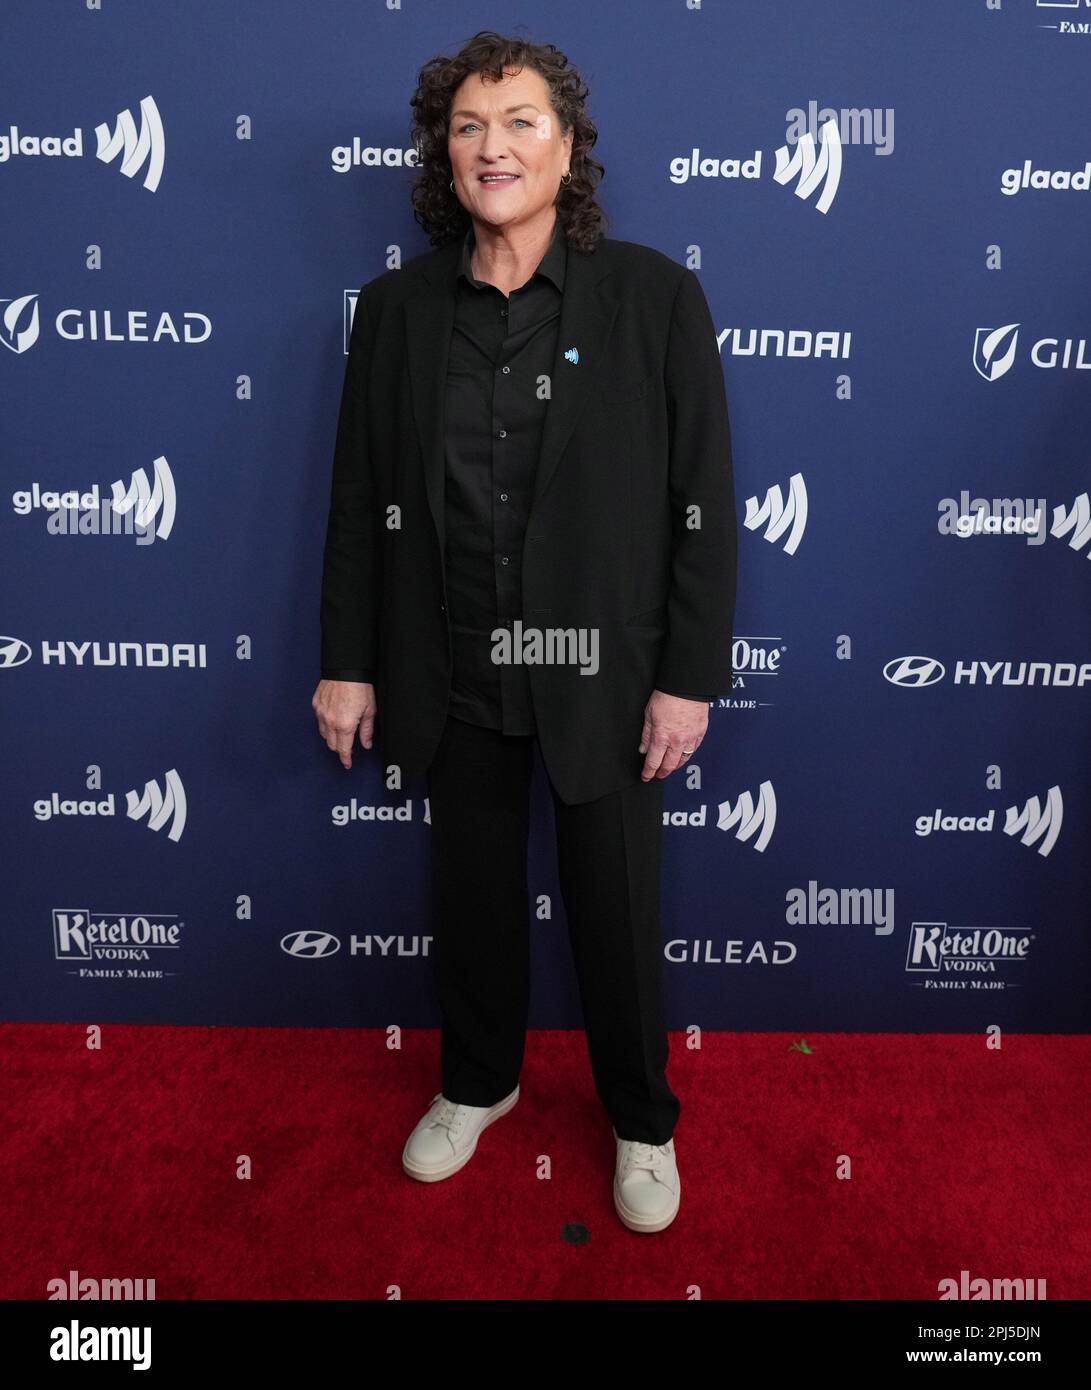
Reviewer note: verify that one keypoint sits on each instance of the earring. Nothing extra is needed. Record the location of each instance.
(566, 179)
(452, 185)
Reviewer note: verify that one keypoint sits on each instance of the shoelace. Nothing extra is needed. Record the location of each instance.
(641, 1155)
(447, 1115)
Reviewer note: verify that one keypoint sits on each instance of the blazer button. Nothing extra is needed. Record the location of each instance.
(443, 608)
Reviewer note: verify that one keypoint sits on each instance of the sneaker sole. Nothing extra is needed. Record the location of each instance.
(448, 1169)
(645, 1225)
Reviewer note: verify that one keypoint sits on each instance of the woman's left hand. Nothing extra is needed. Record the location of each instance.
(671, 723)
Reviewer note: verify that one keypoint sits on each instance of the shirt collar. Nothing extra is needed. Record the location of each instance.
(552, 264)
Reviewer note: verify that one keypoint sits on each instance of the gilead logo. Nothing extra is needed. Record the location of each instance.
(20, 325)
(995, 348)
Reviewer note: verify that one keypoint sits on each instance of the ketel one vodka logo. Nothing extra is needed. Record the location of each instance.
(140, 148)
(82, 935)
(937, 948)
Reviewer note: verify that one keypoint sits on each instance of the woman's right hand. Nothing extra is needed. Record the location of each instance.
(343, 707)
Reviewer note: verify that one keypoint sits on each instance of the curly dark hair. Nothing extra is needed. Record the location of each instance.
(435, 206)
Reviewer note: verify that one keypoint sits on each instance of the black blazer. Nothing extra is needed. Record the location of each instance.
(632, 528)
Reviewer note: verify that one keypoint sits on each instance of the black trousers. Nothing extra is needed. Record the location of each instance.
(609, 858)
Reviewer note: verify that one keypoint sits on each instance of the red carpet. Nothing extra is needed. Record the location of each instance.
(122, 1163)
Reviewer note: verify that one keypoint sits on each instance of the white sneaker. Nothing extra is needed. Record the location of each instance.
(647, 1188)
(445, 1138)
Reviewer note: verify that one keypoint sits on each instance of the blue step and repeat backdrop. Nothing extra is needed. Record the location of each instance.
(887, 204)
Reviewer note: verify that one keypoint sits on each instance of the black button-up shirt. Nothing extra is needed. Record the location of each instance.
(501, 347)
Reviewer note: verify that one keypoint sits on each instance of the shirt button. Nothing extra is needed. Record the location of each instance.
(503, 497)
(503, 559)
(503, 434)
(505, 370)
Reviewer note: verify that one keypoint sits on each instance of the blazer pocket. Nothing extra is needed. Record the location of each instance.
(619, 391)
(651, 617)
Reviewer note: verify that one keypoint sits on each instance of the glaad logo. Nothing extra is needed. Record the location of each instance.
(1013, 180)
(161, 808)
(1077, 520)
(810, 156)
(1031, 819)
(138, 148)
(940, 950)
(144, 509)
(780, 515)
(146, 146)
(310, 945)
(751, 820)
(998, 516)
(1016, 517)
(743, 814)
(915, 672)
(80, 935)
(346, 157)
(994, 352)
(1034, 822)
(813, 170)
(367, 812)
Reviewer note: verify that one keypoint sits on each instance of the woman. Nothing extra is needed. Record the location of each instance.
(532, 538)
